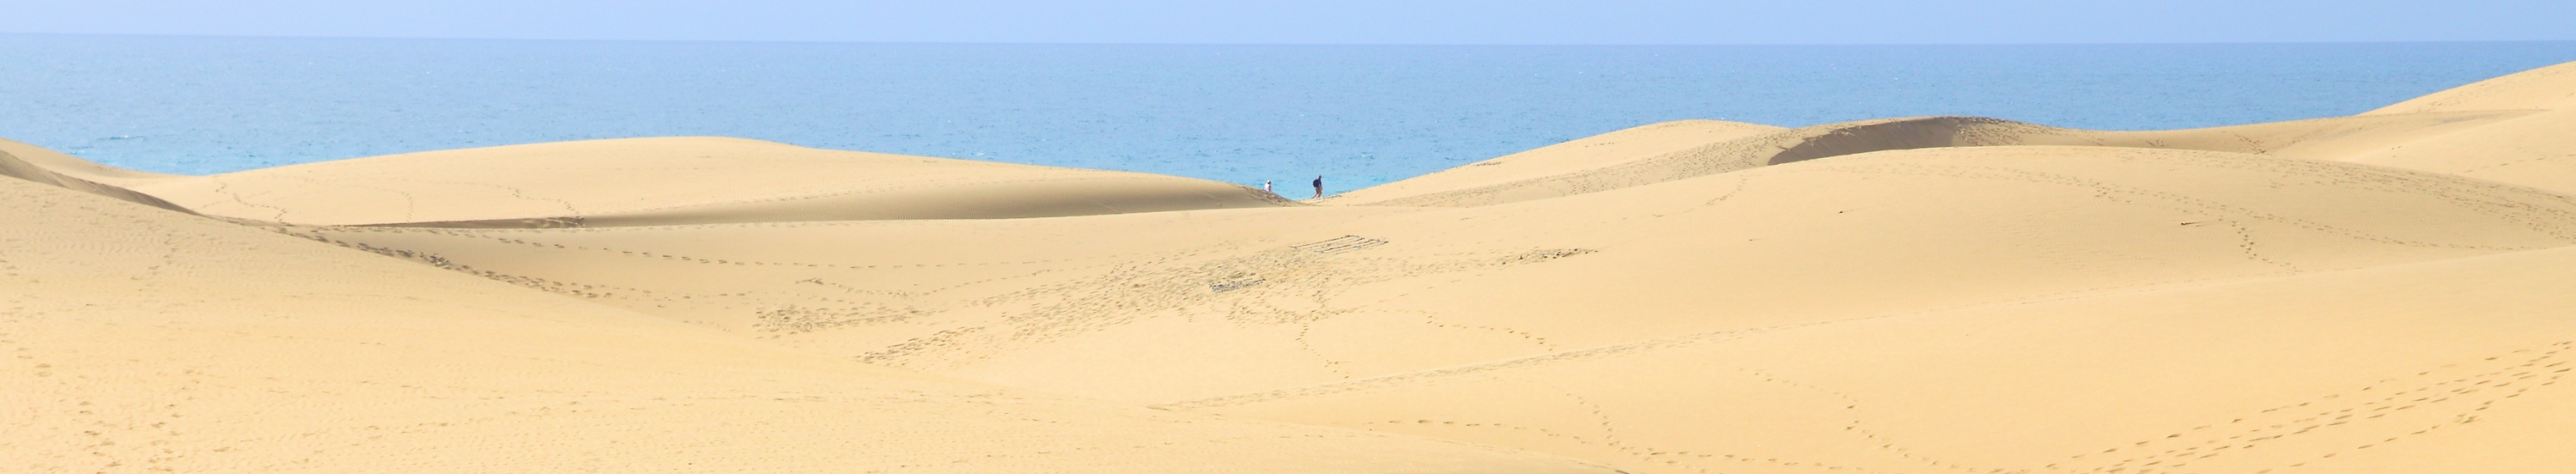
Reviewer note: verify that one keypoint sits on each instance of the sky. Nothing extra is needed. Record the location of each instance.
(1328, 21)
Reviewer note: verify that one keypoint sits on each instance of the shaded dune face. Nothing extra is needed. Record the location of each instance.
(2376, 293)
(43, 169)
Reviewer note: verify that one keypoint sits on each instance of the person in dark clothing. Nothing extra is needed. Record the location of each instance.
(1319, 186)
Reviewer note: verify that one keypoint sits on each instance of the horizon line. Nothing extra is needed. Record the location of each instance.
(1116, 43)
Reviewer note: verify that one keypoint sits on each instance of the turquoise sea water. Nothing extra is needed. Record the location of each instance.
(1359, 114)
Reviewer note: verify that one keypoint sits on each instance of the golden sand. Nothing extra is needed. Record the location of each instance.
(2387, 292)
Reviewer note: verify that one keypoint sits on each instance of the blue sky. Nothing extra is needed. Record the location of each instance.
(1328, 21)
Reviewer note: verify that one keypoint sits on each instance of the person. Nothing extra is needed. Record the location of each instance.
(1319, 186)
(1265, 187)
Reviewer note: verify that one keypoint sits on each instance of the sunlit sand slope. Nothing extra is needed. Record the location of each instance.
(2537, 148)
(1589, 153)
(2552, 87)
(2450, 366)
(142, 340)
(654, 181)
(1579, 170)
(1166, 306)
(1760, 149)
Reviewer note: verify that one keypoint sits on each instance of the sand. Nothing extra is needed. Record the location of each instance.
(2375, 293)
(680, 180)
(146, 340)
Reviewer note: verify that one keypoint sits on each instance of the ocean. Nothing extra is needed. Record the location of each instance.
(1359, 115)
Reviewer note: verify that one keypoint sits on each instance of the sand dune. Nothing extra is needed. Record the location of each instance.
(147, 340)
(1587, 154)
(1743, 152)
(2449, 366)
(1109, 306)
(661, 181)
(2375, 293)
(30, 163)
(2342, 138)
(2533, 148)
(2552, 87)
(2530, 150)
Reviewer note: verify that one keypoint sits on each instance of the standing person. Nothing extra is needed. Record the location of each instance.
(1319, 186)
(1265, 187)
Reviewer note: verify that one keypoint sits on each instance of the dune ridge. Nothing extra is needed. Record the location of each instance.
(675, 180)
(2543, 88)
(1585, 154)
(2343, 138)
(2374, 293)
(51, 168)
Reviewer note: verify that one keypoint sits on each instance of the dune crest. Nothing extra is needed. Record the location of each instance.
(1744, 152)
(1588, 153)
(666, 181)
(2341, 138)
(2480, 128)
(2533, 148)
(31, 163)
(2550, 88)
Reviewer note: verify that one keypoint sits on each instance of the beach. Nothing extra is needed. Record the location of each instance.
(2380, 292)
